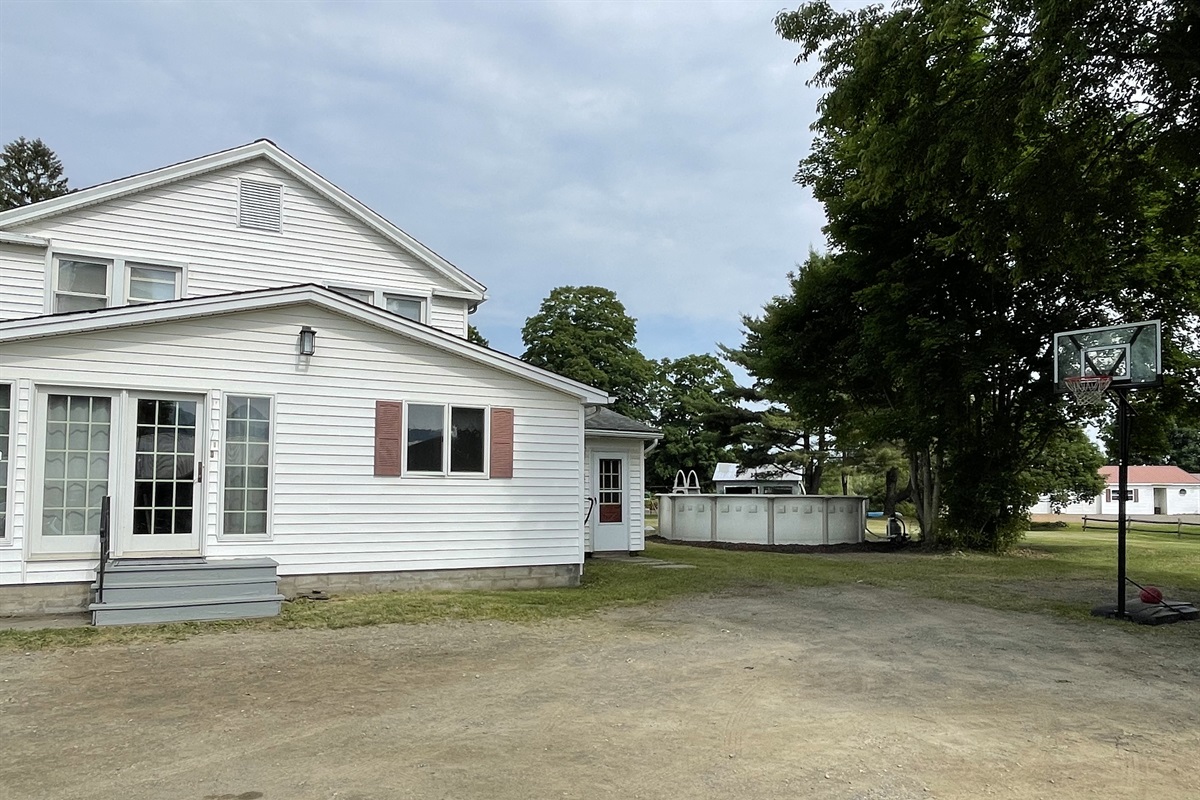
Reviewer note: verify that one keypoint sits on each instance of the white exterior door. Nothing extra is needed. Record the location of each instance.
(610, 482)
(160, 500)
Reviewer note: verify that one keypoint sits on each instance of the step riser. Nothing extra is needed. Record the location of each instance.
(194, 591)
(143, 616)
(165, 575)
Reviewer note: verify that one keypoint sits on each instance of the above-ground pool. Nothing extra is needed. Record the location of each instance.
(762, 519)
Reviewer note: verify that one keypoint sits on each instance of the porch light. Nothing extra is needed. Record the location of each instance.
(308, 341)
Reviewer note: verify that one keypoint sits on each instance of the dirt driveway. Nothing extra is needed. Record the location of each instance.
(850, 693)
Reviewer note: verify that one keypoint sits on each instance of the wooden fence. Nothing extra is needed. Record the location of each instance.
(1178, 526)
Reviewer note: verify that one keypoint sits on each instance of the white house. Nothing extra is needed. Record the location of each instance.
(1152, 490)
(258, 371)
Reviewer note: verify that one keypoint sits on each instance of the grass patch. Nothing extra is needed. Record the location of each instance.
(1064, 572)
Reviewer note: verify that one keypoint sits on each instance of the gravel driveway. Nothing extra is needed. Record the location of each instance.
(845, 693)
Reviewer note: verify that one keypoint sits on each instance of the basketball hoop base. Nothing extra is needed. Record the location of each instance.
(1164, 613)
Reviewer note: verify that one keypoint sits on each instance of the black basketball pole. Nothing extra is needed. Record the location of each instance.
(1123, 489)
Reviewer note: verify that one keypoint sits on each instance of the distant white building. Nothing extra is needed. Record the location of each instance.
(1152, 490)
(767, 479)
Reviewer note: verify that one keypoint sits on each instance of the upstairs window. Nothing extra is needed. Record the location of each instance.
(260, 205)
(80, 285)
(402, 305)
(407, 307)
(149, 284)
(365, 295)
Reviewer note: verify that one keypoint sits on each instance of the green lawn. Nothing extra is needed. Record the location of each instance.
(1062, 572)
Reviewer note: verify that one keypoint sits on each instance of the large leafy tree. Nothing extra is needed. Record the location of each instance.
(584, 333)
(991, 172)
(698, 410)
(29, 173)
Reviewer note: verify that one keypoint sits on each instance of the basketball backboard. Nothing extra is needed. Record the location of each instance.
(1130, 354)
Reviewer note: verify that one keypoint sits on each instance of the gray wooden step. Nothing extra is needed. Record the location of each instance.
(185, 610)
(164, 591)
(142, 572)
(139, 591)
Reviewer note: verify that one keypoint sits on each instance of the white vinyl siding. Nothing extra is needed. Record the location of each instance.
(195, 221)
(23, 274)
(329, 514)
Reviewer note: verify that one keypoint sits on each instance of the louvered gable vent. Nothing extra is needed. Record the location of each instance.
(260, 205)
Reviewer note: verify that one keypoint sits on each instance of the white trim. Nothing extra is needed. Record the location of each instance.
(7, 457)
(23, 240)
(259, 149)
(603, 434)
(190, 308)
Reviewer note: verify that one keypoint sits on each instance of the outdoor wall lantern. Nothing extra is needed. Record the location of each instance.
(308, 341)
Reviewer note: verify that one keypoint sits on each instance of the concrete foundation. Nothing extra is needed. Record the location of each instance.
(490, 578)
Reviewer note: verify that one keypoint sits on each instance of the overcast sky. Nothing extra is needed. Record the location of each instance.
(647, 147)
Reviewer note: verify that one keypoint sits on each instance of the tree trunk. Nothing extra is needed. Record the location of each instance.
(892, 495)
(926, 483)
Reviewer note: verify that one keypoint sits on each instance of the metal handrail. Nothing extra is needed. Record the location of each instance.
(105, 542)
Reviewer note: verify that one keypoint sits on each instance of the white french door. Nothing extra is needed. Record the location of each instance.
(162, 495)
(143, 451)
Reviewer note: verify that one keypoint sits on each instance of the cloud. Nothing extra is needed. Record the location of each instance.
(648, 147)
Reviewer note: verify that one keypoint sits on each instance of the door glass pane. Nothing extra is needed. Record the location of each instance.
(611, 490)
(75, 470)
(247, 465)
(165, 467)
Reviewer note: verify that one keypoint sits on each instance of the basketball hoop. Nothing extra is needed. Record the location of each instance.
(1088, 389)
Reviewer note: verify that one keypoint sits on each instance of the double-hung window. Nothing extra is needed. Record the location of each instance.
(82, 283)
(445, 439)
(403, 305)
(150, 284)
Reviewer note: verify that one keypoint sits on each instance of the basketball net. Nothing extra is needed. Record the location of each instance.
(1088, 389)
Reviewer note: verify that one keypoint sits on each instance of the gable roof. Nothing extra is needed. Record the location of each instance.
(609, 422)
(1151, 474)
(259, 299)
(264, 149)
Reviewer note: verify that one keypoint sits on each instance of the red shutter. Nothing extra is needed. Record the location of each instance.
(502, 443)
(389, 423)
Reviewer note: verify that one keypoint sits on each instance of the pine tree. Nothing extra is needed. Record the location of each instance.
(29, 173)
